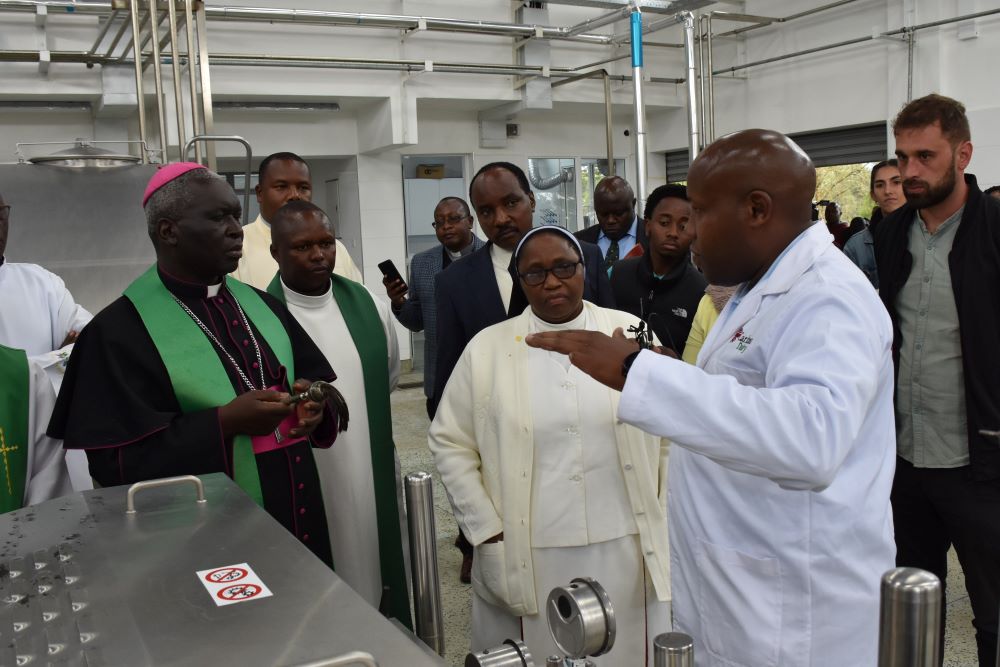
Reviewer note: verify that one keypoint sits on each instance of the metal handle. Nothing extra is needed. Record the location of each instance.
(910, 619)
(246, 145)
(673, 649)
(157, 483)
(352, 658)
(423, 560)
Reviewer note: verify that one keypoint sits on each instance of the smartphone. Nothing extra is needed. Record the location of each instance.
(390, 271)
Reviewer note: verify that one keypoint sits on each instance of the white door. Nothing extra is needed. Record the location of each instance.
(347, 230)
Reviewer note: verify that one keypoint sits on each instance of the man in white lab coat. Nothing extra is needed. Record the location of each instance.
(783, 457)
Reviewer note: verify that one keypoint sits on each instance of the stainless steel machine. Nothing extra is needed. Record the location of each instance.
(185, 579)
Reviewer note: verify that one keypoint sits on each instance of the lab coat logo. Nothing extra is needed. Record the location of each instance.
(742, 340)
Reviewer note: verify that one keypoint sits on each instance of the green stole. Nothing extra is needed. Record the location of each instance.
(14, 397)
(365, 327)
(198, 378)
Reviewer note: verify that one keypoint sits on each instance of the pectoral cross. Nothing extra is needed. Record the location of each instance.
(4, 450)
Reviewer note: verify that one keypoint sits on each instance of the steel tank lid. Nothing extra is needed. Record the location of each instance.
(84, 154)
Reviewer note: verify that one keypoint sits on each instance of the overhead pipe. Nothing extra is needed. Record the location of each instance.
(694, 139)
(192, 76)
(175, 64)
(792, 17)
(598, 22)
(639, 105)
(708, 111)
(118, 38)
(104, 31)
(205, 78)
(702, 75)
(154, 27)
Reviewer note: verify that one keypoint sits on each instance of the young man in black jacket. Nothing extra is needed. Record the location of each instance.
(938, 262)
(662, 286)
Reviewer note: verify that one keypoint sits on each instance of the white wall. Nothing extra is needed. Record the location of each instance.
(385, 115)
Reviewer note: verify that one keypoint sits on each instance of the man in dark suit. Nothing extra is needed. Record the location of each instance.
(619, 232)
(413, 304)
(481, 290)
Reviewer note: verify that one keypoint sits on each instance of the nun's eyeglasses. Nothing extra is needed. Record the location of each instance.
(536, 277)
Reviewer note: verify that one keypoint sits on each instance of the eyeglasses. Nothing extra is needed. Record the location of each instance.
(5, 212)
(536, 277)
(451, 221)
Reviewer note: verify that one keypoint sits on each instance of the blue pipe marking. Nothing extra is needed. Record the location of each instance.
(636, 39)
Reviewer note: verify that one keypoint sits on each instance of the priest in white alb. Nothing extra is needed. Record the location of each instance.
(360, 475)
(282, 177)
(38, 315)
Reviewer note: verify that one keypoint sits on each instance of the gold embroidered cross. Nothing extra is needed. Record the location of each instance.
(4, 450)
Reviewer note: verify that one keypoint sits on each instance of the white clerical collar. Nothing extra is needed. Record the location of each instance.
(501, 257)
(305, 300)
(212, 290)
(578, 322)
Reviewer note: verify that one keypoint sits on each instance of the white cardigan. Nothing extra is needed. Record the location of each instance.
(482, 441)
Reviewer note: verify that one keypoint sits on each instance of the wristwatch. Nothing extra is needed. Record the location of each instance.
(629, 360)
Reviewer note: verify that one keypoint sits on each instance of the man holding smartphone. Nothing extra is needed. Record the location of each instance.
(413, 304)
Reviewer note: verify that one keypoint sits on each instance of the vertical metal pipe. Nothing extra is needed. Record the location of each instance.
(694, 140)
(192, 74)
(175, 57)
(909, 64)
(154, 27)
(709, 109)
(910, 618)
(423, 560)
(640, 107)
(702, 93)
(206, 84)
(609, 127)
(139, 96)
(673, 649)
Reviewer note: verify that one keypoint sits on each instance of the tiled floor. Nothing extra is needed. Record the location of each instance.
(410, 431)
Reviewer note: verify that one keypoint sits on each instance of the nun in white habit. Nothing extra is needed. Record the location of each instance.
(544, 480)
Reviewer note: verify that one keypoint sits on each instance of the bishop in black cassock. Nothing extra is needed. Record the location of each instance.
(138, 393)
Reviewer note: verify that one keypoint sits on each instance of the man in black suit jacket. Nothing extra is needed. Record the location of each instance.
(482, 289)
(619, 232)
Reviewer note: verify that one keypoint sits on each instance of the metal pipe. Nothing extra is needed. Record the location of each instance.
(208, 139)
(909, 65)
(601, 62)
(175, 66)
(694, 140)
(598, 22)
(609, 124)
(673, 649)
(909, 619)
(154, 28)
(792, 17)
(206, 88)
(192, 75)
(137, 28)
(139, 93)
(423, 560)
(117, 39)
(103, 32)
(701, 80)
(640, 107)
(709, 109)
(158, 483)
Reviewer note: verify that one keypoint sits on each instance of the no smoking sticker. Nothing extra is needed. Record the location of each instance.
(232, 584)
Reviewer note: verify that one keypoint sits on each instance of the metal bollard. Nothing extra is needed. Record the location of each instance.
(423, 560)
(910, 618)
(673, 649)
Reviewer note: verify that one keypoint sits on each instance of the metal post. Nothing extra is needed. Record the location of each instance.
(909, 64)
(154, 29)
(640, 106)
(673, 649)
(139, 96)
(192, 58)
(708, 109)
(206, 83)
(175, 65)
(423, 560)
(910, 619)
(609, 127)
(701, 81)
(694, 139)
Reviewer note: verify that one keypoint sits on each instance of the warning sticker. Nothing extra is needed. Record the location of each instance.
(232, 584)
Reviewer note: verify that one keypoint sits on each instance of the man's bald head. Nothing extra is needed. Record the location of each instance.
(614, 205)
(751, 194)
